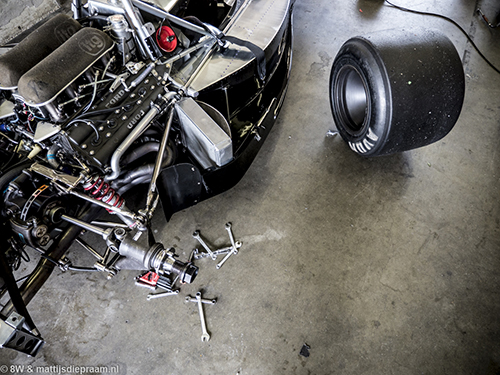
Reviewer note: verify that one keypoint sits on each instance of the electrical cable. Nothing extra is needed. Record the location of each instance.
(449, 20)
(93, 94)
(87, 122)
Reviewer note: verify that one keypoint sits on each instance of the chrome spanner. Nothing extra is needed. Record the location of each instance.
(196, 235)
(234, 249)
(191, 256)
(224, 250)
(231, 237)
(204, 334)
(203, 300)
(165, 294)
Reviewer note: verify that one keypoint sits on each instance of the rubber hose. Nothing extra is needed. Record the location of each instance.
(11, 174)
(51, 156)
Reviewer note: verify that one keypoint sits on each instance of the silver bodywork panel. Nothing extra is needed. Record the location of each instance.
(259, 24)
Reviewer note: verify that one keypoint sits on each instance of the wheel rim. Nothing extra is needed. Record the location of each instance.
(351, 99)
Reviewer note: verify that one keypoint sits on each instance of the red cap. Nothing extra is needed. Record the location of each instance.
(166, 39)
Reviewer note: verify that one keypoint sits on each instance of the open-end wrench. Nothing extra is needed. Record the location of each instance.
(165, 294)
(203, 300)
(204, 334)
(224, 250)
(219, 265)
(196, 235)
(234, 248)
(231, 237)
(191, 256)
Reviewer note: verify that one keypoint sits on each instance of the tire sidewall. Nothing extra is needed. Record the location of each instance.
(370, 138)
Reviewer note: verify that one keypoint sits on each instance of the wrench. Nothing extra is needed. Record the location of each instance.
(234, 248)
(191, 256)
(165, 294)
(224, 250)
(196, 235)
(219, 265)
(203, 300)
(231, 237)
(204, 335)
(199, 255)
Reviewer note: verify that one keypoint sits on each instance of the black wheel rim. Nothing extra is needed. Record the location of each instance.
(351, 98)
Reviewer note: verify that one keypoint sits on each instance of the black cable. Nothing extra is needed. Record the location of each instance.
(88, 114)
(449, 20)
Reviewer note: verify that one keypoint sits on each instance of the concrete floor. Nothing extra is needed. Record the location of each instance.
(19, 16)
(382, 266)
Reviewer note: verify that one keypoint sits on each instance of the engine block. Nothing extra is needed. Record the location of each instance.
(116, 114)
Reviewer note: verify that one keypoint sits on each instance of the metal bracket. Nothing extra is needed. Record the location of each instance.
(14, 336)
(55, 176)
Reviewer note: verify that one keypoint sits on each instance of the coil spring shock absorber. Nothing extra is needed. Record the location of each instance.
(101, 190)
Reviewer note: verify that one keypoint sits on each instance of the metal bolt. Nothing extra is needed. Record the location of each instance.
(331, 133)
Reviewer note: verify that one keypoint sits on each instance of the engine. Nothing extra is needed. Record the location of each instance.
(71, 104)
(92, 107)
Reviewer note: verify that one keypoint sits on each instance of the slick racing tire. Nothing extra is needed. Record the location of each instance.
(396, 90)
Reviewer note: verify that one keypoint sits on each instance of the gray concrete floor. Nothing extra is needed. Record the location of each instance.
(19, 16)
(382, 266)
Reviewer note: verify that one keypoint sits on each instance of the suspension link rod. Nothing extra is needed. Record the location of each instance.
(159, 159)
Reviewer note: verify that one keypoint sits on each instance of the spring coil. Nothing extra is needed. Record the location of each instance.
(101, 190)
